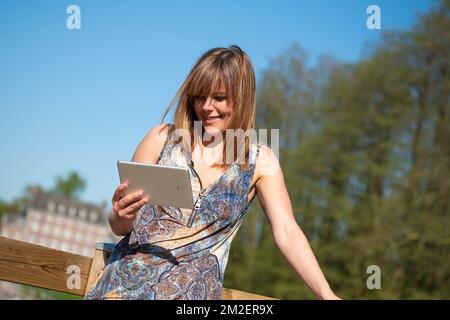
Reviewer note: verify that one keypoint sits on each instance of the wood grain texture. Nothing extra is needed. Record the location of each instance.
(39, 266)
(101, 257)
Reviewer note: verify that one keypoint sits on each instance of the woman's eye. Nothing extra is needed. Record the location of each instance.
(220, 98)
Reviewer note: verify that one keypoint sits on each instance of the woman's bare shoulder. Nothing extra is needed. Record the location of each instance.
(151, 145)
(267, 162)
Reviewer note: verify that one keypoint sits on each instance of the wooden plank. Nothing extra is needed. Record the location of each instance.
(101, 256)
(43, 267)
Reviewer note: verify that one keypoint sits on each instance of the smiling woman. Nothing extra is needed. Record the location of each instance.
(175, 253)
(220, 91)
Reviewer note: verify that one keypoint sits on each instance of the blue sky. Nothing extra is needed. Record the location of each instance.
(83, 99)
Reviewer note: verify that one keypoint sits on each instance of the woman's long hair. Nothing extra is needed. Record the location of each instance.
(232, 68)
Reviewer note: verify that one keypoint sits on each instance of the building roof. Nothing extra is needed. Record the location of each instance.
(67, 207)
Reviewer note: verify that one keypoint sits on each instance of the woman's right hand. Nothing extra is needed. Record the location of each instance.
(126, 207)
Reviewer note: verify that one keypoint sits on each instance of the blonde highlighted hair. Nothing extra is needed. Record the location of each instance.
(232, 68)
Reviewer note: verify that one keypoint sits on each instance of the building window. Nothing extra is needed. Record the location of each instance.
(67, 234)
(93, 216)
(61, 208)
(51, 206)
(90, 239)
(35, 226)
(83, 214)
(81, 225)
(45, 229)
(72, 211)
(57, 232)
(78, 236)
(88, 229)
(50, 218)
(37, 215)
(69, 223)
(58, 220)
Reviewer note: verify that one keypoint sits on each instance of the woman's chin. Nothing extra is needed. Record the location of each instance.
(212, 128)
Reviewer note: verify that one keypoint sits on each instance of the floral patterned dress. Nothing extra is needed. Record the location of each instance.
(175, 253)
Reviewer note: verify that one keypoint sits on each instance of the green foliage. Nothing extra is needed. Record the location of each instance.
(45, 294)
(366, 159)
(69, 187)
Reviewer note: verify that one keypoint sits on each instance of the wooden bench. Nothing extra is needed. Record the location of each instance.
(30, 264)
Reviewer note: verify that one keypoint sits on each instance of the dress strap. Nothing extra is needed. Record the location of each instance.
(254, 152)
(171, 128)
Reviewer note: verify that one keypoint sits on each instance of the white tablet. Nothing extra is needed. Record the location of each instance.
(166, 185)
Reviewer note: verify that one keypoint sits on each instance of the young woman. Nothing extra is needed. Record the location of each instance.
(173, 253)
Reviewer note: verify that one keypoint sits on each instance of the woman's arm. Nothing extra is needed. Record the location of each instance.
(287, 234)
(148, 151)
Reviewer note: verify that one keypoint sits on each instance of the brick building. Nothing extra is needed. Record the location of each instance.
(60, 223)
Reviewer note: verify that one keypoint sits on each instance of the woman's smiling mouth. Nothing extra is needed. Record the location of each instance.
(212, 118)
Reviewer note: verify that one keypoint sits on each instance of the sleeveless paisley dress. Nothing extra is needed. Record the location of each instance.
(174, 253)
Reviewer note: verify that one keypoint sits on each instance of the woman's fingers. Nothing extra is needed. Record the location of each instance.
(135, 207)
(118, 194)
(130, 199)
(130, 204)
(126, 201)
(127, 206)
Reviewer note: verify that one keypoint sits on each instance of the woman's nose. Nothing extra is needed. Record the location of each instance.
(209, 103)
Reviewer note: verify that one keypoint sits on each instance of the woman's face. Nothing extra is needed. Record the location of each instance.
(214, 111)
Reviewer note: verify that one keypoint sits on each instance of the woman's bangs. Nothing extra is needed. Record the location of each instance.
(206, 83)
